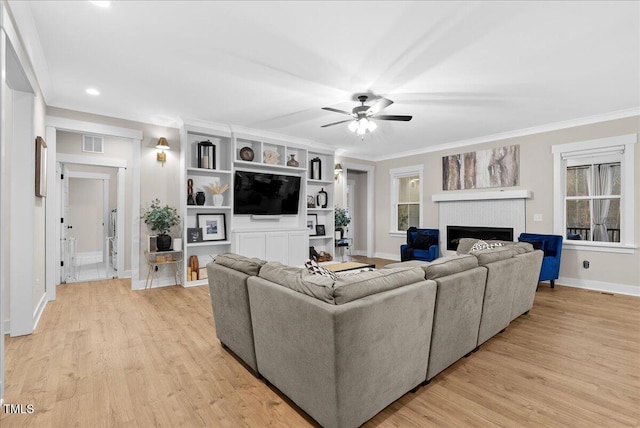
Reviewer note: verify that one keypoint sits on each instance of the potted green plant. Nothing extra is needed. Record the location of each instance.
(342, 220)
(161, 219)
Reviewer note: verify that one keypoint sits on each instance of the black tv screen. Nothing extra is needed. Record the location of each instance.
(266, 194)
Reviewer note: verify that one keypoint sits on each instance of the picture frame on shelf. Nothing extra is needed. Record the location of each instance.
(320, 230)
(194, 234)
(312, 222)
(152, 244)
(213, 227)
(311, 201)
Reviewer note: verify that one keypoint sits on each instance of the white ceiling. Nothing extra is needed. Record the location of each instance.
(464, 70)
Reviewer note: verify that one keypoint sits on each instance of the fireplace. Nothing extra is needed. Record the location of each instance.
(455, 233)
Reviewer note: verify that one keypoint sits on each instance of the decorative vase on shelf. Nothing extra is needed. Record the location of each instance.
(321, 199)
(293, 162)
(217, 200)
(163, 242)
(190, 200)
(200, 198)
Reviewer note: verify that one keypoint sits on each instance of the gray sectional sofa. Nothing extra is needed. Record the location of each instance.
(344, 349)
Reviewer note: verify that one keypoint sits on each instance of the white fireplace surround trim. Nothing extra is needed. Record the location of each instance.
(484, 196)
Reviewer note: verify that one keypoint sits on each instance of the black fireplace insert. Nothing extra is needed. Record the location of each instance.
(455, 233)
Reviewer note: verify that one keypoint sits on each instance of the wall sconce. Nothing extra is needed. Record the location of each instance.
(337, 170)
(162, 146)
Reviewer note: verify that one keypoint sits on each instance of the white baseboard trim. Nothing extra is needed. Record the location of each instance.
(39, 309)
(126, 274)
(389, 256)
(608, 287)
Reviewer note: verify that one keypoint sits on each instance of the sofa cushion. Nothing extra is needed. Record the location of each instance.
(491, 255)
(314, 268)
(445, 266)
(408, 263)
(300, 280)
(521, 247)
(249, 266)
(465, 244)
(364, 284)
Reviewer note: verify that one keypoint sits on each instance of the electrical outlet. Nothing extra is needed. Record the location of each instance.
(585, 264)
(537, 217)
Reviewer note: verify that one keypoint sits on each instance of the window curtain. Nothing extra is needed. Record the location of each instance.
(603, 185)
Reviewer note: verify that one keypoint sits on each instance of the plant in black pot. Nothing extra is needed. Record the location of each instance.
(342, 220)
(161, 219)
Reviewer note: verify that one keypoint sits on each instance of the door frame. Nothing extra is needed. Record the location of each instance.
(370, 171)
(54, 124)
(106, 180)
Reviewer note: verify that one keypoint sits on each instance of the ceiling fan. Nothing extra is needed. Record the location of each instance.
(362, 115)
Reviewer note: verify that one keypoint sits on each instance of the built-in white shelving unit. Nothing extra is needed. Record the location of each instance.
(220, 173)
(285, 238)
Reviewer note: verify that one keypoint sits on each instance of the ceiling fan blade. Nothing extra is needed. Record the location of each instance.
(336, 110)
(336, 123)
(379, 106)
(393, 117)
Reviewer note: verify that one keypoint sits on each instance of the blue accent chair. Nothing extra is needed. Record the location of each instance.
(415, 248)
(551, 245)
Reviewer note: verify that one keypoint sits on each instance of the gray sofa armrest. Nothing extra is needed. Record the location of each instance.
(231, 314)
(342, 364)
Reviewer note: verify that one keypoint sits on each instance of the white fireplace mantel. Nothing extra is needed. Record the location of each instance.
(481, 196)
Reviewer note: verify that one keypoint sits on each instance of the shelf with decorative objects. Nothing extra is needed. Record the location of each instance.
(320, 199)
(206, 172)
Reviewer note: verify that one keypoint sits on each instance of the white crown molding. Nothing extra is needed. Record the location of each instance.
(621, 114)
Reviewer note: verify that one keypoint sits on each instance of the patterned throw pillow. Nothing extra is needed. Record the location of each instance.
(314, 268)
(482, 245)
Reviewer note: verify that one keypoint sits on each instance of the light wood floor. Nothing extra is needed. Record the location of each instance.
(104, 356)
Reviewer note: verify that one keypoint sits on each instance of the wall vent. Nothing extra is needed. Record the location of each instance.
(92, 144)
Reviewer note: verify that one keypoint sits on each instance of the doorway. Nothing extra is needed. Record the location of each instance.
(358, 191)
(89, 223)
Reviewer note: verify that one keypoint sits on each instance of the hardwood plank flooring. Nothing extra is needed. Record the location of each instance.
(105, 356)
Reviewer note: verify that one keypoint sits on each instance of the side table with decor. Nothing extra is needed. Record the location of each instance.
(157, 259)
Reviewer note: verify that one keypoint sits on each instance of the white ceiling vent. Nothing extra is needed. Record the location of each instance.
(92, 144)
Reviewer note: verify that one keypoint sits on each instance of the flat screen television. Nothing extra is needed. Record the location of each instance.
(265, 194)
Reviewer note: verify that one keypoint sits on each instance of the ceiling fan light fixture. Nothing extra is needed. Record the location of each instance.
(353, 126)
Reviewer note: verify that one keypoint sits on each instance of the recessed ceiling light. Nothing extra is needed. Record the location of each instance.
(92, 91)
(102, 3)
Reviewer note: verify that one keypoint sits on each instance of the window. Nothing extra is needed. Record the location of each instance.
(406, 198)
(594, 192)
